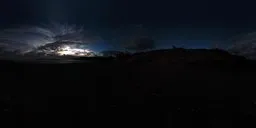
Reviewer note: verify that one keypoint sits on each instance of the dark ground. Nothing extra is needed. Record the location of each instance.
(168, 88)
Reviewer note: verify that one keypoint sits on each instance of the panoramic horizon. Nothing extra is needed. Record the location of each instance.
(128, 63)
(197, 24)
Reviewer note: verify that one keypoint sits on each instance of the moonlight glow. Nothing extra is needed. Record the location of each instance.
(67, 50)
(25, 39)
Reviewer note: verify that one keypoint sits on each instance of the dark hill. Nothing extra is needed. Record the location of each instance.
(163, 88)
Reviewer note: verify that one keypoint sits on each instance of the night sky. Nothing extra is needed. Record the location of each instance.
(186, 23)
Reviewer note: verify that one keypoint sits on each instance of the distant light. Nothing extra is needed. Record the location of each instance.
(67, 50)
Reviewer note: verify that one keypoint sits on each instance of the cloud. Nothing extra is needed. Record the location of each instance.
(26, 38)
(244, 45)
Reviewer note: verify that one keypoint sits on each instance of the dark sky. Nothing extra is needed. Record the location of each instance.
(194, 23)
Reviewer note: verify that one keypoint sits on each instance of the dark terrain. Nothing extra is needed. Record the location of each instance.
(176, 88)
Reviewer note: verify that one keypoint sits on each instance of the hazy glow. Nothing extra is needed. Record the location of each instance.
(67, 50)
(27, 38)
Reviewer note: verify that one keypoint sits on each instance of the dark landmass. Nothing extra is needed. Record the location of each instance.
(164, 88)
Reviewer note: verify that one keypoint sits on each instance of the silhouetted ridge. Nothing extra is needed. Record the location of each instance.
(185, 55)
